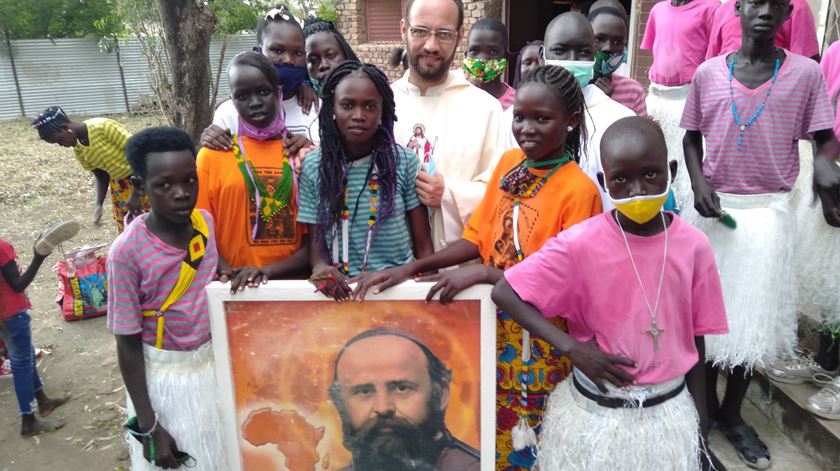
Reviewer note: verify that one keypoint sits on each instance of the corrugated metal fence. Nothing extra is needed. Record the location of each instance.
(84, 80)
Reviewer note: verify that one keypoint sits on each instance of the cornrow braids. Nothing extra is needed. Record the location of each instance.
(278, 14)
(334, 165)
(565, 86)
(314, 25)
(50, 121)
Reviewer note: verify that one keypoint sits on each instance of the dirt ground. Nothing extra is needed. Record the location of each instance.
(43, 184)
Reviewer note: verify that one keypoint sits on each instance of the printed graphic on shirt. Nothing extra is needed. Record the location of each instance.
(281, 228)
(421, 145)
(503, 253)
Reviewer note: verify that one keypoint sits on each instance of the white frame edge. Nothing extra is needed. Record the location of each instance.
(302, 290)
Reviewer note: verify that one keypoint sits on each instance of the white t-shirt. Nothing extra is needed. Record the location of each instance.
(602, 112)
(297, 122)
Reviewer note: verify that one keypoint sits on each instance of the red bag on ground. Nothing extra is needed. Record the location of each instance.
(82, 284)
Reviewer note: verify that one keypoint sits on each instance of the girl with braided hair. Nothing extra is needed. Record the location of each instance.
(325, 49)
(357, 191)
(536, 191)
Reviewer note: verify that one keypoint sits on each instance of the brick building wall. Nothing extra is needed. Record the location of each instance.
(351, 14)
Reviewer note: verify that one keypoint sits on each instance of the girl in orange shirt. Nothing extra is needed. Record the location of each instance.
(250, 189)
(534, 193)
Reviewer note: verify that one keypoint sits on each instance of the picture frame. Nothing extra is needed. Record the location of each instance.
(277, 351)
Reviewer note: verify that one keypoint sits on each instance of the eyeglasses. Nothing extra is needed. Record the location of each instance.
(442, 35)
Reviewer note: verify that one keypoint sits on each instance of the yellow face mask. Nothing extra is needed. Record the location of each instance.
(641, 209)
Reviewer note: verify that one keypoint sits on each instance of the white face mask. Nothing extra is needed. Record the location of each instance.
(583, 71)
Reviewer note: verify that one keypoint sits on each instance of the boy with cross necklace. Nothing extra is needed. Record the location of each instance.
(639, 290)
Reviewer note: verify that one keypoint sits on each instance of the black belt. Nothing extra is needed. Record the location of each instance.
(618, 403)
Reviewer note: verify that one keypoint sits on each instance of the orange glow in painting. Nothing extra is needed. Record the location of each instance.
(283, 354)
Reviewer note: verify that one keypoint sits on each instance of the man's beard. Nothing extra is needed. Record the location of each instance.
(434, 74)
(405, 447)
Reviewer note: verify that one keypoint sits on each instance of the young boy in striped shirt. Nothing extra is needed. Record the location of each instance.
(157, 308)
(752, 107)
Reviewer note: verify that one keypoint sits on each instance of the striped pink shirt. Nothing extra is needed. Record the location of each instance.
(768, 162)
(142, 269)
(629, 93)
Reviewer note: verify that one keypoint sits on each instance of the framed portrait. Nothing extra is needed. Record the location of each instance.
(307, 383)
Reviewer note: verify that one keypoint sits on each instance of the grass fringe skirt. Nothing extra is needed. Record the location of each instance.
(182, 389)
(580, 435)
(757, 272)
(665, 105)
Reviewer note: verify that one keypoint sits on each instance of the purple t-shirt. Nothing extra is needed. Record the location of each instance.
(830, 65)
(584, 275)
(678, 37)
(768, 161)
(142, 269)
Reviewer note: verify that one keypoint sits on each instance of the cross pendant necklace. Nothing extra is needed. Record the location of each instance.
(655, 331)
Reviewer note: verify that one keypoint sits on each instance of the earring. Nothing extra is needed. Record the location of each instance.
(569, 129)
(333, 117)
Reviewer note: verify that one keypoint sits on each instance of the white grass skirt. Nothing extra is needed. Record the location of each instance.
(665, 105)
(818, 260)
(758, 276)
(182, 389)
(579, 434)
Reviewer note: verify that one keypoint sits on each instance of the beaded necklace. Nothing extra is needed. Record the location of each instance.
(343, 262)
(267, 204)
(742, 126)
(530, 190)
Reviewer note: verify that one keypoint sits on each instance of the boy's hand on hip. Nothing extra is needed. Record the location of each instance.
(430, 188)
(600, 367)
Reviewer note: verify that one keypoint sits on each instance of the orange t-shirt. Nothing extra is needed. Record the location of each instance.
(222, 191)
(566, 198)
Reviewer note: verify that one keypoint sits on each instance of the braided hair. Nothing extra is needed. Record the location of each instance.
(50, 121)
(334, 165)
(517, 73)
(314, 25)
(564, 85)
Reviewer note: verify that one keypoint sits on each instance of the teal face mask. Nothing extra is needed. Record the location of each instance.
(583, 71)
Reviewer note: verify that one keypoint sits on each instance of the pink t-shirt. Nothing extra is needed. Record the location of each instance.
(508, 98)
(629, 93)
(142, 269)
(678, 37)
(584, 274)
(798, 33)
(768, 162)
(830, 65)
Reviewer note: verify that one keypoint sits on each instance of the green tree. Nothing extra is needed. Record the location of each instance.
(33, 19)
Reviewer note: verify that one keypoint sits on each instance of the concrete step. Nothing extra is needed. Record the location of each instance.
(797, 439)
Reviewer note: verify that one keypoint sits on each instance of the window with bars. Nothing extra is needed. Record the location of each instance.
(383, 20)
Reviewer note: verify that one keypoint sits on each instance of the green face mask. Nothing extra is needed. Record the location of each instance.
(582, 70)
(484, 70)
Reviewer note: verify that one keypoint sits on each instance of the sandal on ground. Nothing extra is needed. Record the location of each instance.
(751, 450)
(53, 235)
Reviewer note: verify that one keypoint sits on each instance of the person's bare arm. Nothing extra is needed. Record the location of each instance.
(20, 281)
(827, 175)
(133, 369)
(421, 232)
(706, 200)
(101, 179)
